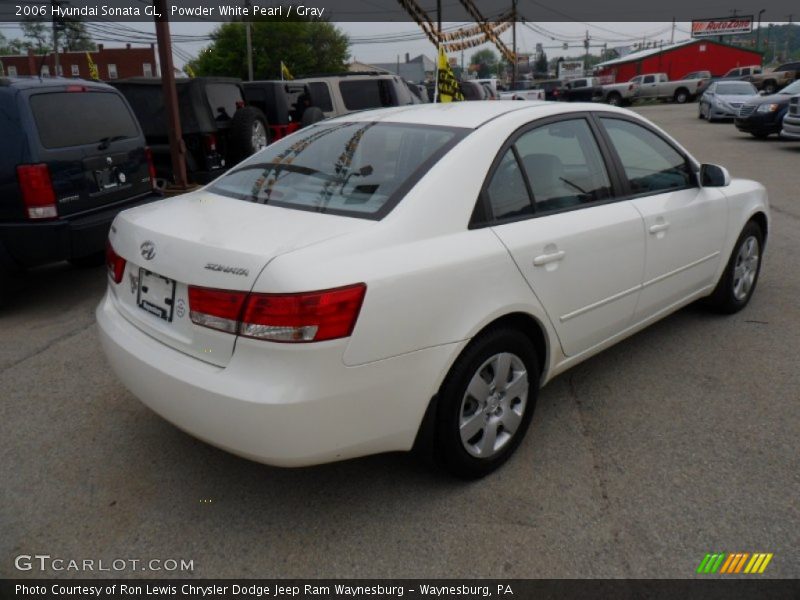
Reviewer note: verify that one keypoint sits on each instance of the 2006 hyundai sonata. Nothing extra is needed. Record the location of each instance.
(416, 274)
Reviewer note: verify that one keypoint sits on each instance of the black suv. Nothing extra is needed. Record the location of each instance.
(218, 129)
(287, 105)
(73, 156)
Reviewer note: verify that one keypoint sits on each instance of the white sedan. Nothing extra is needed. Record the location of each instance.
(412, 276)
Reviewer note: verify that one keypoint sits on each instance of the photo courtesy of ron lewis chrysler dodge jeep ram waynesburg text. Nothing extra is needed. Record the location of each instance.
(411, 276)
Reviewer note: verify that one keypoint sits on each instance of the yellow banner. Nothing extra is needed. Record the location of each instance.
(93, 71)
(285, 74)
(448, 91)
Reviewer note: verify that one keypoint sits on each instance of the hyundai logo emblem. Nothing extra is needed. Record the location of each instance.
(148, 249)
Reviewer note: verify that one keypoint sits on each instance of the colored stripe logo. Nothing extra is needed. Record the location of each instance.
(734, 563)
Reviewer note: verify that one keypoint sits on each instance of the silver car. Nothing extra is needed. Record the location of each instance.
(722, 99)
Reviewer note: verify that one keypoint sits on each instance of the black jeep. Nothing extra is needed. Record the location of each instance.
(219, 130)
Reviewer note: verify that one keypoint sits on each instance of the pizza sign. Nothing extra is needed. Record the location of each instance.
(729, 26)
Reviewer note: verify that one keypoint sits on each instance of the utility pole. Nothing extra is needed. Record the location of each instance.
(786, 51)
(248, 34)
(758, 31)
(514, 43)
(176, 146)
(439, 19)
(55, 4)
(672, 35)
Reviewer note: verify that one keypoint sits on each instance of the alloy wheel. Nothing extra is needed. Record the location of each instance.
(493, 405)
(259, 137)
(746, 268)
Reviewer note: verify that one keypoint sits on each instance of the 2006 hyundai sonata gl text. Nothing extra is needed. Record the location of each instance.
(416, 274)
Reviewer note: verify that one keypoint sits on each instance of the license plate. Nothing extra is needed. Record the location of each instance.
(156, 294)
(106, 179)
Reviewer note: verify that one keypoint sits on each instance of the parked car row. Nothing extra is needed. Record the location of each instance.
(752, 111)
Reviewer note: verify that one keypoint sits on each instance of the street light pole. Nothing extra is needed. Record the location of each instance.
(758, 30)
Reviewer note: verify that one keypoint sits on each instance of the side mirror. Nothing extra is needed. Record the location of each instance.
(714, 176)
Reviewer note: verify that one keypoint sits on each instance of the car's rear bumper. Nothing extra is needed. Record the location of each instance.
(285, 405)
(32, 243)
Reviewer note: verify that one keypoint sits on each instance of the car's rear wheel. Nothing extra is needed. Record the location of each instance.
(681, 96)
(614, 99)
(770, 87)
(486, 403)
(738, 281)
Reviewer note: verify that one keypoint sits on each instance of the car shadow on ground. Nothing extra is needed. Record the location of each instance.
(56, 286)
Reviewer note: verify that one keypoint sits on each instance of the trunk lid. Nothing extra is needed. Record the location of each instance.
(206, 240)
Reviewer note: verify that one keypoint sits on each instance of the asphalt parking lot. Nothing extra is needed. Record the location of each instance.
(679, 441)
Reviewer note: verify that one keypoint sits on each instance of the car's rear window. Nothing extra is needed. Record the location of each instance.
(355, 169)
(78, 118)
(366, 93)
(223, 99)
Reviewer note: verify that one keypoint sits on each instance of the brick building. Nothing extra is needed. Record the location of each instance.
(112, 63)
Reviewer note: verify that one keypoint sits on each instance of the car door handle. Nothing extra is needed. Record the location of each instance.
(659, 227)
(544, 259)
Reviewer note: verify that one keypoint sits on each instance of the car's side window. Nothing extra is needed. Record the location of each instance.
(650, 163)
(563, 164)
(507, 193)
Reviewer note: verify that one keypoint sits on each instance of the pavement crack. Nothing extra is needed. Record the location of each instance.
(48, 345)
(602, 483)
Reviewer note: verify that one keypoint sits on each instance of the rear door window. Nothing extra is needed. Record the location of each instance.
(78, 118)
(365, 93)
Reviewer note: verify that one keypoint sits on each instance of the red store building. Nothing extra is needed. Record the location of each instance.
(676, 60)
(112, 63)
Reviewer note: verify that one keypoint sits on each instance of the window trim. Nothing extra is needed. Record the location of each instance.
(609, 164)
(694, 168)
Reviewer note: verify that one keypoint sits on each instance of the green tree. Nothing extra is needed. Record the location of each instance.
(305, 47)
(38, 34)
(540, 66)
(485, 62)
(75, 37)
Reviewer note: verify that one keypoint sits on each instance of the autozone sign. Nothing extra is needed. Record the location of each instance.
(729, 26)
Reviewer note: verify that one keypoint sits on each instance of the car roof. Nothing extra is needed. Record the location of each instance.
(24, 83)
(471, 115)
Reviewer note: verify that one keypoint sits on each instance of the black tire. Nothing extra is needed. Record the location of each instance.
(449, 449)
(614, 99)
(242, 134)
(681, 96)
(770, 87)
(92, 260)
(311, 115)
(724, 298)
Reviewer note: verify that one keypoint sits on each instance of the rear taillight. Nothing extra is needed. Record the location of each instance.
(216, 309)
(151, 167)
(210, 142)
(38, 195)
(302, 317)
(115, 263)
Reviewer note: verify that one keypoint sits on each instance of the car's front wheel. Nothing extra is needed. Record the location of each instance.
(486, 403)
(738, 281)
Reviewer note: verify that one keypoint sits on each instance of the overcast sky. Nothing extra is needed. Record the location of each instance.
(551, 35)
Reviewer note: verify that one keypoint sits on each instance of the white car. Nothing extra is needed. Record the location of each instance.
(412, 276)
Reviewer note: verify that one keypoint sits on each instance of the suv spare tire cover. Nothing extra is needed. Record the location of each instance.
(312, 114)
(240, 133)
